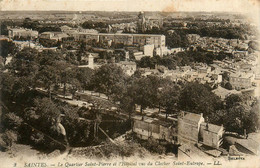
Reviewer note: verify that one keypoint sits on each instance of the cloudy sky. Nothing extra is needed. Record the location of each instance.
(244, 6)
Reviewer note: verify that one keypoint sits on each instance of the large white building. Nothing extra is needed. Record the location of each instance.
(21, 32)
(157, 40)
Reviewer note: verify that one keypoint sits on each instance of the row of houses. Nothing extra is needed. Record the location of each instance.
(217, 44)
(241, 75)
(194, 136)
(188, 128)
(201, 73)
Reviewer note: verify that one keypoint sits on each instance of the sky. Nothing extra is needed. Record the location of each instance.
(248, 7)
(241, 6)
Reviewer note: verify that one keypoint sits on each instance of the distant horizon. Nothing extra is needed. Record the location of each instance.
(174, 6)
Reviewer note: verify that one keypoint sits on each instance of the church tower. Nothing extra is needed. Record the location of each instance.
(141, 23)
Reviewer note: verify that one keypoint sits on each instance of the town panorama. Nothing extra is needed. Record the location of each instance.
(122, 84)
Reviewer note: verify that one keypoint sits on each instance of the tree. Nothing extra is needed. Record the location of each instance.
(177, 39)
(7, 47)
(228, 86)
(108, 79)
(7, 139)
(197, 98)
(20, 88)
(13, 89)
(47, 111)
(49, 42)
(65, 73)
(253, 122)
(4, 30)
(238, 114)
(233, 100)
(44, 115)
(12, 121)
(7, 82)
(48, 78)
(169, 96)
(78, 131)
(144, 91)
(147, 62)
(84, 75)
(29, 24)
(47, 28)
(51, 65)
(24, 63)
(74, 85)
(236, 118)
(127, 104)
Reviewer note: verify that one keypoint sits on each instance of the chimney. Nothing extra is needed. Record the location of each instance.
(207, 123)
(245, 135)
(207, 126)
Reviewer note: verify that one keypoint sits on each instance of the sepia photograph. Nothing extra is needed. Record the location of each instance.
(129, 84)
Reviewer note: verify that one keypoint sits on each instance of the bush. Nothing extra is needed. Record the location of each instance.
(12, 121)
(228, 86)
(7, 139)
(153, 146)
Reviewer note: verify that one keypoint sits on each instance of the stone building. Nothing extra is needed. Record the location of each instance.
(188, 127)
(211, 135)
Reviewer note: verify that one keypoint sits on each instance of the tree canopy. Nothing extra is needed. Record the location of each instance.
(198, 98)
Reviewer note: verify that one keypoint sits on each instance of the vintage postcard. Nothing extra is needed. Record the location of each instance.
(129, 83)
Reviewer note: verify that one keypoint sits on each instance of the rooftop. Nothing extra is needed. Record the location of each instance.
(211, 127)
(249, 144)
(65, 27)
(163, 123)
(222, 92)
(192, 116)
(127, 63)
(240, 75)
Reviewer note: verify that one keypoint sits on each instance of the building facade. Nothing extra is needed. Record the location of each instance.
(25, 33)
(241, 81)
(127, 39)
(188, 127)
(146, 128)
(211, 135)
